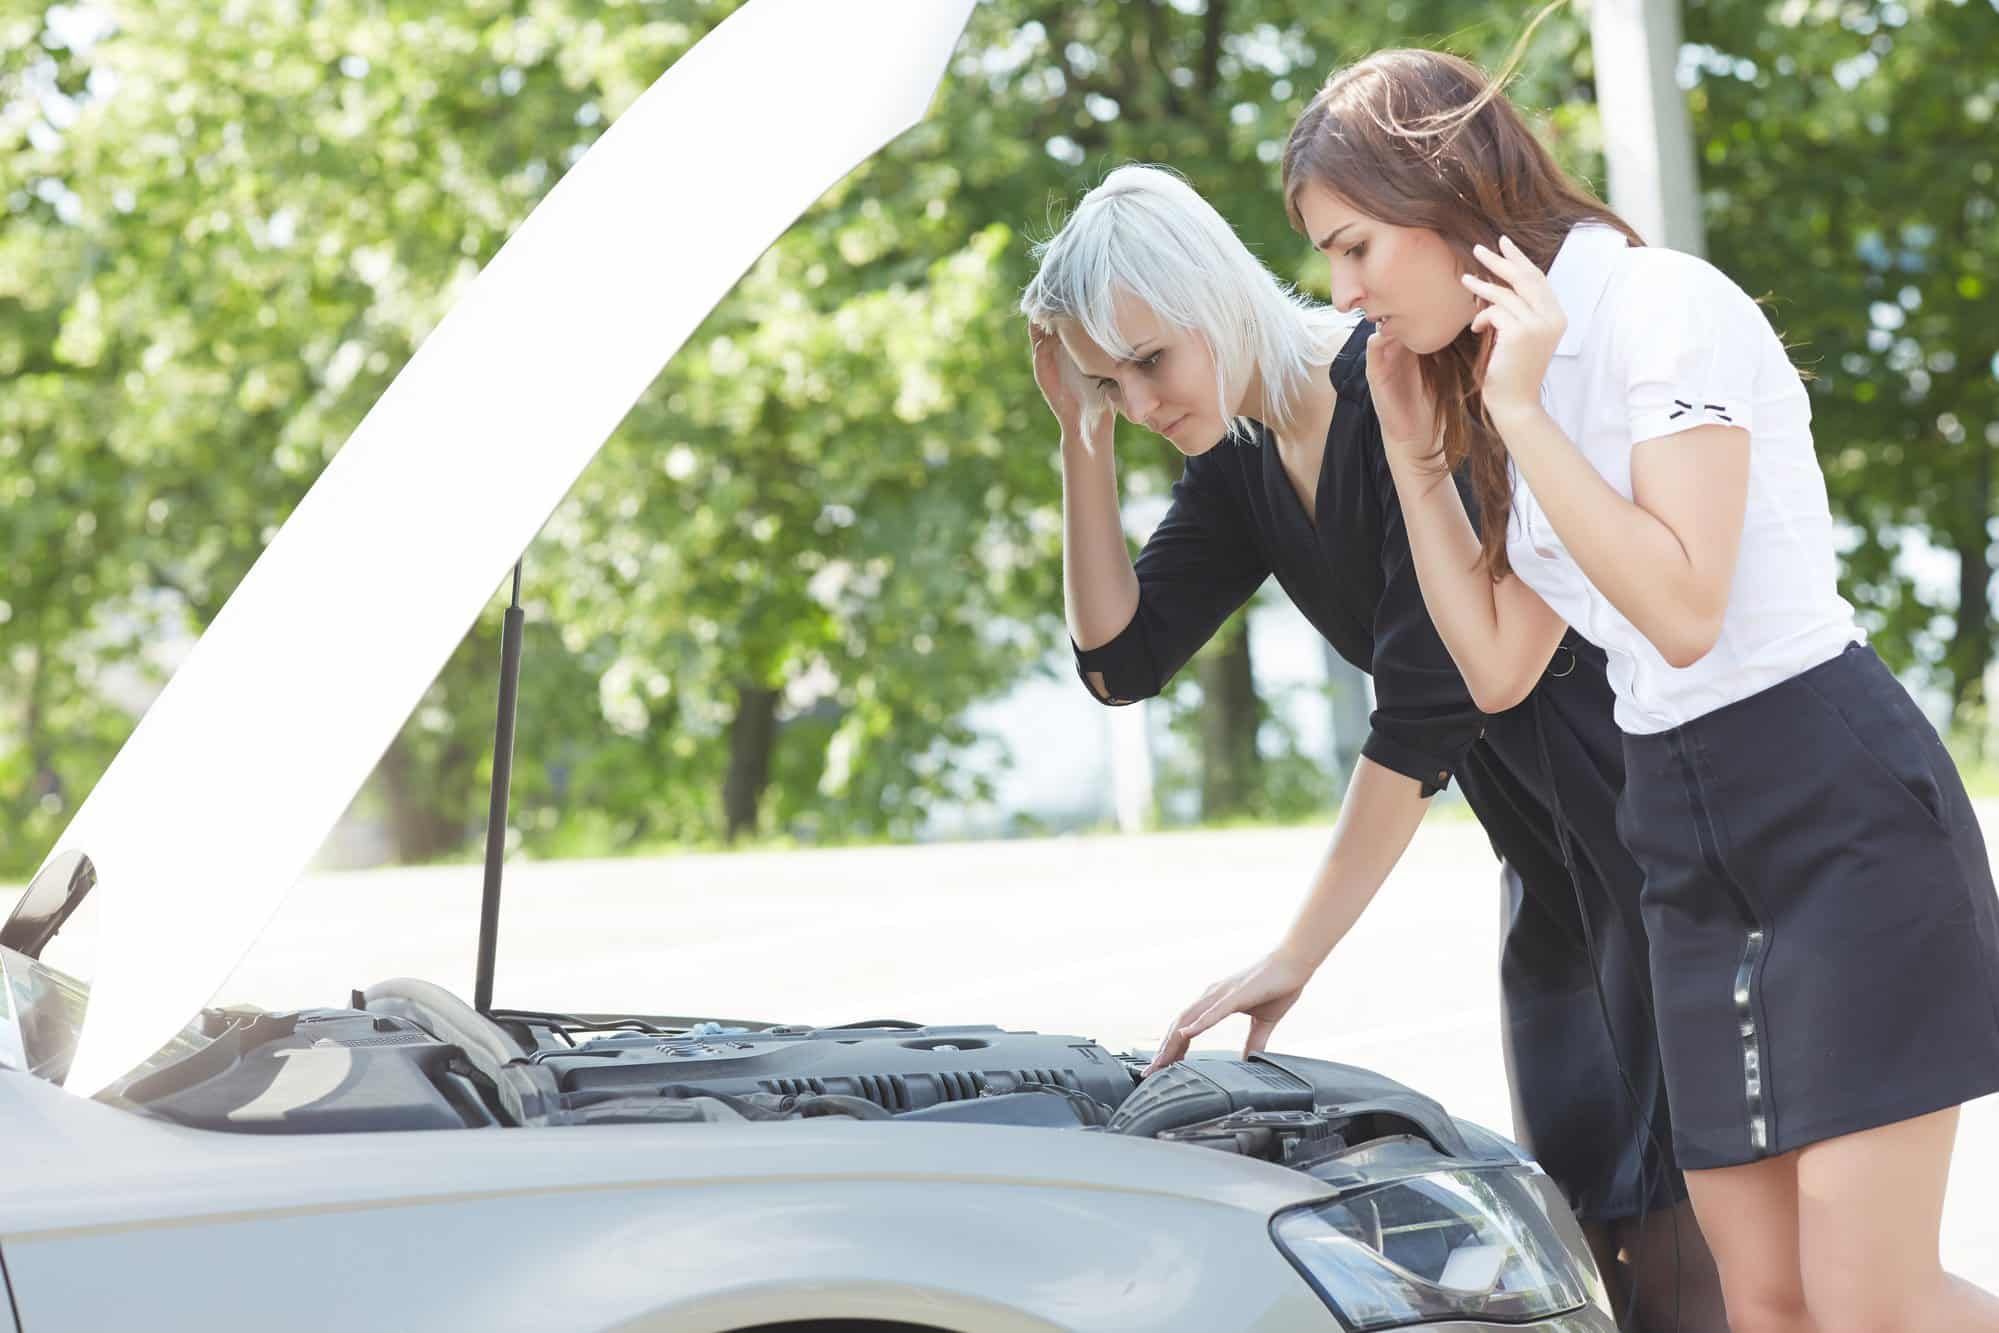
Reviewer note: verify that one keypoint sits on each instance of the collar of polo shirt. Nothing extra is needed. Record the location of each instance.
(1579, 275)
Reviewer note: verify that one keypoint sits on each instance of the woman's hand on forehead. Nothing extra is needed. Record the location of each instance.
(1079, 407)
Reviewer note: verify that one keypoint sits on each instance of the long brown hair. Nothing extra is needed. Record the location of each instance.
(1423, 139)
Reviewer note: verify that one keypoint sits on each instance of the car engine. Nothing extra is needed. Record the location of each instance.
(410, 1056)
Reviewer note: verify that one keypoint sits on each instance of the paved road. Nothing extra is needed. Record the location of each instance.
(1104, 937)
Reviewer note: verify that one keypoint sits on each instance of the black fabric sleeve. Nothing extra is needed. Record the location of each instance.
(1424, 719)
(1200, 564)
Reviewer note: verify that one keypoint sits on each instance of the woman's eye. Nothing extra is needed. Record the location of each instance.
(1151, 362)
(1355, 252)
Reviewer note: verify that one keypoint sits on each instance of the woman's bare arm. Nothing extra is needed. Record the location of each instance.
(1666, 557)
(1099, 586)
(1500, 634)
(1378, 817)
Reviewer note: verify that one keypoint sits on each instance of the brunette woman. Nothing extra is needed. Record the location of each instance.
(1823, 932)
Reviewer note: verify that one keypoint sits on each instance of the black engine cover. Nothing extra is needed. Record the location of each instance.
(1208, 1087)
(898, 1069)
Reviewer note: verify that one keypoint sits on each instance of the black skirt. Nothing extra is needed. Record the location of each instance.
(1823, 929)
(1589, 1095)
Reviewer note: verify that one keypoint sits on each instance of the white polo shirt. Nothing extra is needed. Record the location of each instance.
(1660, 342)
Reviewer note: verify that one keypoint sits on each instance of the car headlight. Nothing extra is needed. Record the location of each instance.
(1467, 1244)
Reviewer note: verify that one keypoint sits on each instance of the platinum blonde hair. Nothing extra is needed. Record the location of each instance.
(1145, 232)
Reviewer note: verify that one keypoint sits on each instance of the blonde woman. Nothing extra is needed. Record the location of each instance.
(1147, 305)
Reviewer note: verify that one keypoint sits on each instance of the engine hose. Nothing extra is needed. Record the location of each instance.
(834, 1103)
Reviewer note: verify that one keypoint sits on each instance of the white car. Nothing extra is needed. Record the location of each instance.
(409, 1160)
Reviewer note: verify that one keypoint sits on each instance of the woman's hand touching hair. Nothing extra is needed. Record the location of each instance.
(1083, 412)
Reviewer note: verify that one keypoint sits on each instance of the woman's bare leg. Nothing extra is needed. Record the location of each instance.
(1750, 1217)
(1870, 1209)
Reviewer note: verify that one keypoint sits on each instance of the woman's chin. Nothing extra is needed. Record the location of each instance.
(1396, 334)
(1192, 446)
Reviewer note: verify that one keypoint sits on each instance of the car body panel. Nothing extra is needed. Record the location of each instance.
(718, 1256)
(86, 1164)
(641, 1226)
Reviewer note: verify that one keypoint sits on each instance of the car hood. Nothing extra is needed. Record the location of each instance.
(89, 1165)
(259, 742)
(622, 1226)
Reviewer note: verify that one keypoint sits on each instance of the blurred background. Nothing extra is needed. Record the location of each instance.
(809, 594)
(810, 591)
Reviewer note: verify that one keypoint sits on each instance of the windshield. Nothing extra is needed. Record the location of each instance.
(41, 1012)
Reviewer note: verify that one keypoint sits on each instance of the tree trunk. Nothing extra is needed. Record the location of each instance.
(1229, 717)
(424, 821)
(752, 736)
(1213, 29)
(45, 781)
(1971, 642)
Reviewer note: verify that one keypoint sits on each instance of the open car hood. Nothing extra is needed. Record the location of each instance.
(259, 742)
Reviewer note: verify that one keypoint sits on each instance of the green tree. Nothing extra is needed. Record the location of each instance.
(242, 231)
(1848, 173)
(832, 523)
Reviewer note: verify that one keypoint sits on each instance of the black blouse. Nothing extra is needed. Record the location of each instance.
(1236, 519)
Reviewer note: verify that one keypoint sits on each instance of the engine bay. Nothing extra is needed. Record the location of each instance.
(410, 1056)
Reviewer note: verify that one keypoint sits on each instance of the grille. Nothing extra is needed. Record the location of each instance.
(376, 1039)
(1271, 1076)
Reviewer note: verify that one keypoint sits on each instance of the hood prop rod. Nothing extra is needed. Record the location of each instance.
(496, 814)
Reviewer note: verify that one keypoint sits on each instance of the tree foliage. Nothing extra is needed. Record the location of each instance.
(833, 522)
(1847, 162)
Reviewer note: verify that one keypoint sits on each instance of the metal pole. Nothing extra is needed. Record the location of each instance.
(496, 813)
(1648, 134)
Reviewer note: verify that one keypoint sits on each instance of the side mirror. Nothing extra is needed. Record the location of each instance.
(55, 893)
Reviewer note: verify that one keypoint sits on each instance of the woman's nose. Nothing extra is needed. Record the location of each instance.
(1139, 402)
(1347, 292)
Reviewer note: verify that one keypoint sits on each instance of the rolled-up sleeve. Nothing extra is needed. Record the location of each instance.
(1686, 341)
(1200, 564)
(1424, 719)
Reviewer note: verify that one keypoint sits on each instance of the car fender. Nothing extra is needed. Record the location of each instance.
(635, 1227)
